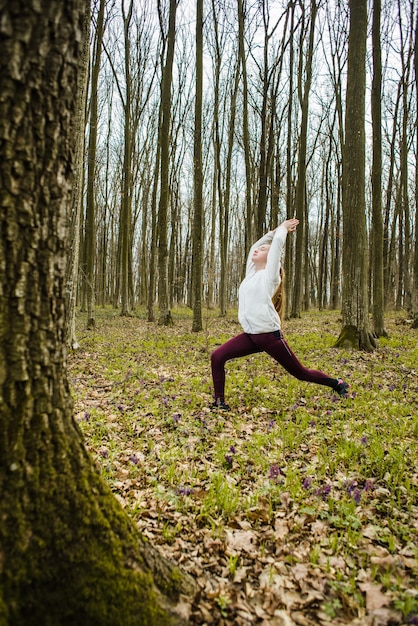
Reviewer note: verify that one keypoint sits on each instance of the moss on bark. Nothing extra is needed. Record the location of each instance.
(351, 337)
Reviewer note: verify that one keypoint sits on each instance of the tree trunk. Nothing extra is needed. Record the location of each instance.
(355, 331)
(69, 553)
(377, 218)
(198, 176)
(165, 317)
(77, 195)
(301, 208)
(415, 265)
(90, 224)
(125, 225)
(245, 130)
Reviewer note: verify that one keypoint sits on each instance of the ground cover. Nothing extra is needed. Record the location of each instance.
(297, 506)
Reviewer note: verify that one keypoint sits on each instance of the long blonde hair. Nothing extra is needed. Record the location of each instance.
(279, 296)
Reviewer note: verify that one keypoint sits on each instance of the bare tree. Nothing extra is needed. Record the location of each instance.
(165, 317)
(198, 176)
(377, 218)
(355, 330)
(300, 200)
(77, 194)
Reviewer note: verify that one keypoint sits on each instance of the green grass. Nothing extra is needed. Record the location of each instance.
(314, 480)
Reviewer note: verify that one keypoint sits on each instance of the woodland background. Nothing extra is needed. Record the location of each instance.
(143, 147)
(198, 140)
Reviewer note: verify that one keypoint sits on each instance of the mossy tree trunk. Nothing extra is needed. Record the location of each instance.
(355, 331)
(68, 552)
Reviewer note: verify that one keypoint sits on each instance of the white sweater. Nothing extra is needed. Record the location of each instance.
(256, 312)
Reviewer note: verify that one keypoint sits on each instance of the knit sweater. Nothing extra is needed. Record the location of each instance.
(256, 312)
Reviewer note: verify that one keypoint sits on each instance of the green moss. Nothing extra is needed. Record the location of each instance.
(76, 558)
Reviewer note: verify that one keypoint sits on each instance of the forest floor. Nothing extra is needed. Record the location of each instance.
(296, 507)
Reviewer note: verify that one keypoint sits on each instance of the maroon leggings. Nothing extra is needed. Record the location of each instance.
(272, 343)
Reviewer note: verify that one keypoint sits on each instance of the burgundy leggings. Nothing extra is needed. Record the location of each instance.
(272, 343)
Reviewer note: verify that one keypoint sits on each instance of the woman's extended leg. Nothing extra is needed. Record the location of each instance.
(241, 345)
(276, 346)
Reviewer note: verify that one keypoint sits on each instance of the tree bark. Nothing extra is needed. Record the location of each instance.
(415, 265)
(90, 224)
(300, 201)
(198, 176)
(69, 553)
(355, 331)
(73, 254)
(165, 317)
(377, 218)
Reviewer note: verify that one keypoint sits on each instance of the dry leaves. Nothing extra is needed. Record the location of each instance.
(293, 509)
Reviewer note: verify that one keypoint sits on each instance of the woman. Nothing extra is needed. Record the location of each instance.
(260, 300)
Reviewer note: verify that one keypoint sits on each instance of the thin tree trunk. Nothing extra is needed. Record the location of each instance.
(77, 195)
(90, 224)
(198, 176)
(165, 317)
(301, 209)
(377, 218)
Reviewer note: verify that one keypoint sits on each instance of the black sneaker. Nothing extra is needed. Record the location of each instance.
(219, 405)
(342, 388)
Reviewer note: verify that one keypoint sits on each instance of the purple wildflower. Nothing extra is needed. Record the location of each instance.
(134, 459)
(232, 449)
(307, 482)
(274, 471)
(228, 459)
(165, 401)
(412, 619)
(176, 417)
(121, 408)
(104, 453)
(364, 441)
(184, 491)
(312, 423)
(357, 495)
(86, 417)
(271, 424)
(323, 491)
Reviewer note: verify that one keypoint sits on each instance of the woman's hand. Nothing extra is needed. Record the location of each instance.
(290, 225)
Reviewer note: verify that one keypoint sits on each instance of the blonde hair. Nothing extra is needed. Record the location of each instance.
(279, 295)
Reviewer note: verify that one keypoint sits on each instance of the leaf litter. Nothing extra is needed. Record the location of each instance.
(295, 507)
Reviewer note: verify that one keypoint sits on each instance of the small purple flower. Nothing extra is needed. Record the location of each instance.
(412, 619)
(271, 424)
(368, 486)
(391, 387)
(364, 441)
(228, 459)
(323, 491)
(312, 424)
(104, 453)
(274, 472)
(296, 406)
(357, 495)
(86, 417)
(134, 459)
(121, 408)
(184, 491)
(165, 401)
(307, 482)
(232, 449)
(176, 417)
